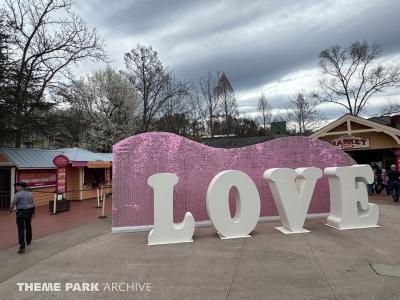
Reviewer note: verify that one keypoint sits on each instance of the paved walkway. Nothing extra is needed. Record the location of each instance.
(323, 264)
(81, 213)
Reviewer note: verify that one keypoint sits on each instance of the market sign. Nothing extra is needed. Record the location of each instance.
(61, 161)
(98, 164)
(351, 142)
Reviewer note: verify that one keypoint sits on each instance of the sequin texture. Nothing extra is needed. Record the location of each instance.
(138, 157)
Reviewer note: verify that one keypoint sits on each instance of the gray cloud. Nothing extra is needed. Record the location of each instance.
(254, 42)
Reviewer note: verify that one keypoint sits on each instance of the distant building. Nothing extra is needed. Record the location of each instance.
(278, 128)
(373, 141)
(85, 169)
(384, 120)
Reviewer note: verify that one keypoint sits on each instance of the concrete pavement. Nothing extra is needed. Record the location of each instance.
(323, 264)
(81, 213)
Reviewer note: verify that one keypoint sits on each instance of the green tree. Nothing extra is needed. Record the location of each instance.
(46, 38)
(7, 79)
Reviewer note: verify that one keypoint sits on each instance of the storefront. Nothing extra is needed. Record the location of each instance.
(83, 173)
(366, 141)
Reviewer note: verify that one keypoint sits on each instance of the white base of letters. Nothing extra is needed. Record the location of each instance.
(286, 231)
(345, 228)
(206, 223)
(234, 237)
(168, 243)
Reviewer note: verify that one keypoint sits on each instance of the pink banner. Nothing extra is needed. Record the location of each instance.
(61, 186)
(36, 178)
(136, 158)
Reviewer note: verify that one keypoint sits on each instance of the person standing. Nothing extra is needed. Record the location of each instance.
(378, 181)
(394, 182)
(371, 186)
(384, 185)
(25, 209)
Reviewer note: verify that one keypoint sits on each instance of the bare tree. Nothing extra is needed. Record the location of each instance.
(154, 84)
(391, 107)
(280, 116)
(196, 113)
(177, 104)
(265, 110)
(301, 113)
(351, 76)
(208, 84)
(47, 38)
(174, 115)
(226, 101)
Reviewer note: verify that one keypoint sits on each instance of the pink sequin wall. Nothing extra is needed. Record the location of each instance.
(138, 157)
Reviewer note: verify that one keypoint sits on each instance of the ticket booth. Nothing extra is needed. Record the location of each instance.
(83, 172)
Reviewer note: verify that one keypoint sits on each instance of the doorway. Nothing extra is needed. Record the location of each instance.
(384, 156)
(5, 191)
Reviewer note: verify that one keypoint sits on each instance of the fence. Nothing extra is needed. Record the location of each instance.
(101, 193)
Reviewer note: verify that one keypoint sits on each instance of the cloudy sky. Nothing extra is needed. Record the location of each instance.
(268, 47)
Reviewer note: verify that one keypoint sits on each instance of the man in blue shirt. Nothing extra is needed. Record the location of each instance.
(25, 209)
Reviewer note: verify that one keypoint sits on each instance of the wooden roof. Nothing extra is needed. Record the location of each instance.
(334, 128)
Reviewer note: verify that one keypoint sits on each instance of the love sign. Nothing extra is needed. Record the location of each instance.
(292, 190)
(168, 184)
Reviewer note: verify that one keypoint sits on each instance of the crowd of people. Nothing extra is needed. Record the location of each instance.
(387, 181)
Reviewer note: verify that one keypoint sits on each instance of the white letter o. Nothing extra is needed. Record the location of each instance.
(247, 204)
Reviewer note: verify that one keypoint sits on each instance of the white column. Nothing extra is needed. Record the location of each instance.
(348, 127)
(12, 181)
(81, 179)
(105, 180)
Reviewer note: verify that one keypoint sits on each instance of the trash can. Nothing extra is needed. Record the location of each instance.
(62, 204)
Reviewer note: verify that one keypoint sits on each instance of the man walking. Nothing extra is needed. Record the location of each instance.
(24, 204)
(394, 182)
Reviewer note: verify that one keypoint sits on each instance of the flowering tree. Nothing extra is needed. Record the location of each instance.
(108, 103)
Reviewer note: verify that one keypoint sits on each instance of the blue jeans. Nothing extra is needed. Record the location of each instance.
(24, 218)
(394, 189)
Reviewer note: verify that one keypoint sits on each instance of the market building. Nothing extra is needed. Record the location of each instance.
(83, 173)
(367, 141)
